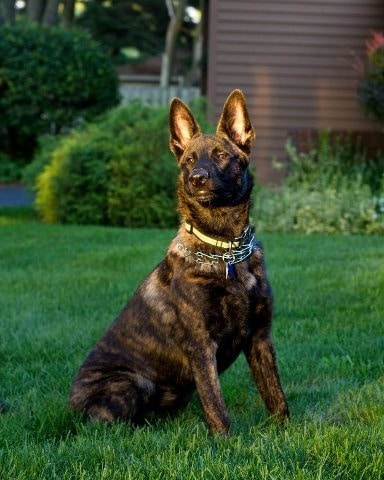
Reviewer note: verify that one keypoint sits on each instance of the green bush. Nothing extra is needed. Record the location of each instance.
(334, 188)
(72, 187)
(46, 144)
(331, 160)
(370, 88)
(117, 171)
(50, 78)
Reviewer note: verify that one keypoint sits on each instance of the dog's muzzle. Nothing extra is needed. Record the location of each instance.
(198, 177)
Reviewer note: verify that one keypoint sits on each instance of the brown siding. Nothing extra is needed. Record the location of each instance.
(292, 60)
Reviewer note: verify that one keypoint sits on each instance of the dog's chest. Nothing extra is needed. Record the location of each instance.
(229, 307)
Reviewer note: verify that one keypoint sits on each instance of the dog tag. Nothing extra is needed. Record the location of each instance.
(229, 270)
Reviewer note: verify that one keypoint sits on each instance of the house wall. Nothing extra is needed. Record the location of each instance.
(292, 60)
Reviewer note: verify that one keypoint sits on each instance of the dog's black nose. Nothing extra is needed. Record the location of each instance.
(198, 177)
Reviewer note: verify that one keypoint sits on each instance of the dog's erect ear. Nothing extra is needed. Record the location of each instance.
(182, 126)
(234, 122)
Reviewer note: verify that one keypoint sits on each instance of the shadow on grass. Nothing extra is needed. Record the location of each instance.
(14, 215)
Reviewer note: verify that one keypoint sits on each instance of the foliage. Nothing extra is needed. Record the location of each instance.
(132, 32)
(334, 188)
(46, 144)
(371, 84)
(64, 285)
(122, 24)
(42, 12)
(117, 171)
(9, 170)
(61, 78)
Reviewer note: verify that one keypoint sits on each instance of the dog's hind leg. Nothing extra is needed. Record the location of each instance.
(108, 407)
(261, 358)
(110, 397)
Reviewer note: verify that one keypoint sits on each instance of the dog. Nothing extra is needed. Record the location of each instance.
(204, 304)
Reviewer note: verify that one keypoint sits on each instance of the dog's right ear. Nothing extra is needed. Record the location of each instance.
(234, 122)
(182, 126)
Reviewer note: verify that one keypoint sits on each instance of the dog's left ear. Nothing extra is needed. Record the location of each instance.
(182, 126)
(234, 122)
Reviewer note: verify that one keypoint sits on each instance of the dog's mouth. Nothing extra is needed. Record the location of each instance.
(211, 197)
(204, 195)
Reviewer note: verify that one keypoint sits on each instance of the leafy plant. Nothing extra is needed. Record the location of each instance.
(371, 84)
(331, 159)
(72, 187)
(46, 144)
(50, 79)
(334, 188)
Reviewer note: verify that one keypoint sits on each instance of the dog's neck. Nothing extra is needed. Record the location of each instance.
(221, 223)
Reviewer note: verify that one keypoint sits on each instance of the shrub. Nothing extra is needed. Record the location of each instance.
(332, 159)
(46, 145)
(50, 78)
(72, 187)
(47, 201)
(333, 188)
(350, 209)
(117, 171)
(370, 88)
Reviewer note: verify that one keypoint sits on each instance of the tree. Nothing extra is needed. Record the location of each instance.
(124, 24)
(61, 78)
(146, 28)
(43, 12)
(150, 27)
(185, 32)
(69, 12)
(7, 11)
(51, 14)
(46, 12)
(176, 12)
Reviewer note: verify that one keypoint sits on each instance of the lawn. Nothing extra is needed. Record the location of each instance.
(61, 286)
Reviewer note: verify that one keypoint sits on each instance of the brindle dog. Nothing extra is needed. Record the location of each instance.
(206, 302)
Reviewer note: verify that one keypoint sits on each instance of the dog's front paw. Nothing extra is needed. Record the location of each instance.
(219, 424)
(281, 414)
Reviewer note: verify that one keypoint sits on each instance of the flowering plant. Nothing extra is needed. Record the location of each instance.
(370, 87)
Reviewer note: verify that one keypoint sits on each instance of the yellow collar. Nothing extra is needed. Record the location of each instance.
(212, 241)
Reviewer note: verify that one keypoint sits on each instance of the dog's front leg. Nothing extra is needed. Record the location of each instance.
(261, 358)
(204, 369)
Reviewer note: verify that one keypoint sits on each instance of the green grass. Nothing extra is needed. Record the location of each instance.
(61, 286)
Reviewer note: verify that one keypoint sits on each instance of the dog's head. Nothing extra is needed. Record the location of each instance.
(214, 167)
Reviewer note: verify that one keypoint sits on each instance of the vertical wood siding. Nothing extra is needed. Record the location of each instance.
(292, 60)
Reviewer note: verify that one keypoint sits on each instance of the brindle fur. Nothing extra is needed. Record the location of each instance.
(187, 323)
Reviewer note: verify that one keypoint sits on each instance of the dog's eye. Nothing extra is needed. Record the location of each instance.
(222, 156)
(189, 159)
